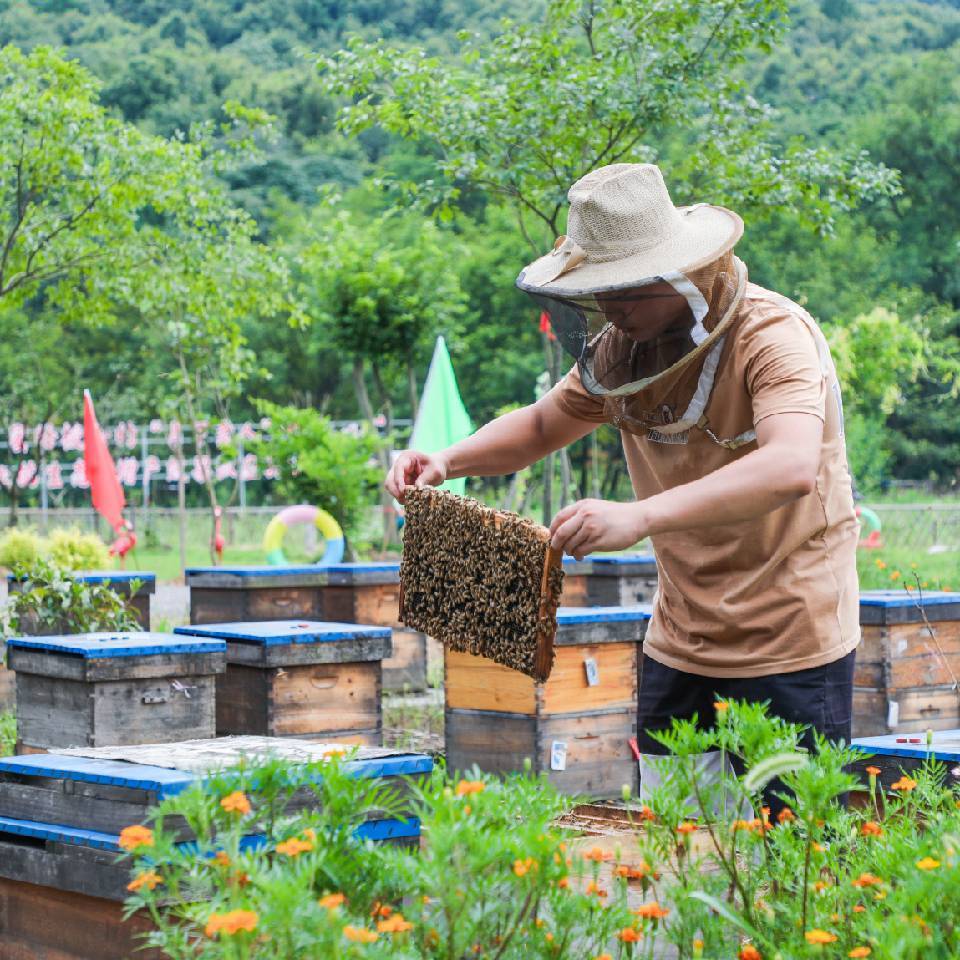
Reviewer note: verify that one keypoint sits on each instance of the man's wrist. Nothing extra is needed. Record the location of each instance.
(644, 521)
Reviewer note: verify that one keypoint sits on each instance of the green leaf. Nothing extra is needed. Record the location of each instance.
(771, 768)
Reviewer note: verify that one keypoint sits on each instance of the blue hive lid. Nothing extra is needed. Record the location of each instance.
(100, 576)
(379, 566)
(568, 616)
(945, 746)
(621, 559)
(888, 599)
(257, 570)
(166, 782)
(271, 633)
(95, 646)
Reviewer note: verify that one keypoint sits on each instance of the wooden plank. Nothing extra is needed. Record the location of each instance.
(283, 603)
(53, 713)
(42, 923)
(631, 630)
(599, 760)
(66, 667)
(495, 742)
(317, 698)
(216, 605)
(407, 668)
(567, 689)
(919, 659)
(574, 590)
(62, 802)
(358, 650)
(476, 683)
(153, 711)
(374, 603)
(242, 701)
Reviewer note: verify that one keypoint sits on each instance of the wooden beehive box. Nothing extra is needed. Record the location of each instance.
(121, 581)
(300, 678)
(575, 727)
(576, 576)
(60, 819)
(370, 593)
(898, 753)
(621, 580)
(101, 689)
(254, 592)
(905, 678)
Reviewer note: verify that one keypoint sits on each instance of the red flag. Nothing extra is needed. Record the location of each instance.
(108, 499)
(545, 325)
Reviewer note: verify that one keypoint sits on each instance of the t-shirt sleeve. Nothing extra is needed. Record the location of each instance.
(572, 398)
(782, 369)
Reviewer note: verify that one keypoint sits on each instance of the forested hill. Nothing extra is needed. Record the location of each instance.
(882, 76)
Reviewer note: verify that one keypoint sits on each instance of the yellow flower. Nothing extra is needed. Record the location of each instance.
(132, 838)
(230, 923)
(294, 847)
(148, 879)
(881, 565)
(820, 936)
(465, 787)
(395, 924)
(522, 867)
(928, 863)
(360, 935)
(859, 952)
(237, 802)
(895, 575)
(332, 900)
(867, 880)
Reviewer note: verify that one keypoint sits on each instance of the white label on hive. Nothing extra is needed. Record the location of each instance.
(558, 755)
(893, 713)
(592, 671)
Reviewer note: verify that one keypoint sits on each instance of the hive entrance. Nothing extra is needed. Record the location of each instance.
(480, 580)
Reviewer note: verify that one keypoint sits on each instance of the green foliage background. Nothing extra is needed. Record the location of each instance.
(849, 75)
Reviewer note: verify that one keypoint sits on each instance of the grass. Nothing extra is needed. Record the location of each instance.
(891, 568)
(8, 733)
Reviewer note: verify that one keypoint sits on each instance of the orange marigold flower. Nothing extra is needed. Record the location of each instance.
(465, 787)
(687, 827)
(785, 815)
(332, 900)
(563, 883)
(148, 879)
(232, 922)
(871, 829)
(859, 952)
(859, 908)
(629, 935)
(294, 847)
(651, 911)
(819, 847)
(749, 952)
(360, 934)
(928, 863)
(820, 936)
(895, 575)
(592, 887)
(873, 771)
(381, 910)
(395, 924)
(603, 956)
(821, 885)
(720, 706)
(522, 867)
(867, 880)
(132, 838)
(598, 854)
(905, 783)
(645, 813)
(236, 802)
(221, 859)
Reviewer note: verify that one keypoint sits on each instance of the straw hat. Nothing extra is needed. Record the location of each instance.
(623, 230)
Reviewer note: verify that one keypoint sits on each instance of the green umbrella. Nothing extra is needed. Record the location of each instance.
(442, 418)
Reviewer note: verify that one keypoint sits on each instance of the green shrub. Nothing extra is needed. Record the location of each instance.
(20, 545)
(8, 733)
(497, 878)
(71, 549)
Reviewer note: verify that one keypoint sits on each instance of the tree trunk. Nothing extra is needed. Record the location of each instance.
(389, 526)
(182, 508)
(383, 455)
(414, 390)
(594, 466)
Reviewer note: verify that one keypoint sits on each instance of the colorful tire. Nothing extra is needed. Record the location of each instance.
(328, 528)
(869, 529)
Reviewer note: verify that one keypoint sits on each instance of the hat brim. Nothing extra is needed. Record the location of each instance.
(706, 233)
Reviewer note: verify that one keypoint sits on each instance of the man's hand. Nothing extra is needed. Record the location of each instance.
(589, 525)
(412, 469)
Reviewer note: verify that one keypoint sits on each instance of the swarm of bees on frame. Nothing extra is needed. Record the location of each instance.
(475, 579)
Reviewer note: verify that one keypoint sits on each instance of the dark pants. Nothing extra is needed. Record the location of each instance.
(821, 698)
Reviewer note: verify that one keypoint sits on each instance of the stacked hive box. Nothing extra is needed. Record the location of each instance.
(101, 689)
(895, 754)
(300, 678)
(121, 581)
(370, 593)
(367, 593)
(61, 887)
(576, 726)
(906, 673)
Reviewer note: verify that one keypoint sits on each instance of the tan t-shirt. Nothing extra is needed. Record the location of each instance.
(771, 595)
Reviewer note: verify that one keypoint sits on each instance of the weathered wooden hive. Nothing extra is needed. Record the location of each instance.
(370, 593)
(254, 592)
(897, 753)
(575, 726)
(300, 678)
(906, 672)
(61, 887)
(102, 689)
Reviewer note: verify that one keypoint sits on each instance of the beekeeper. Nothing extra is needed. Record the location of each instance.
(729, 410)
